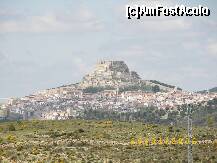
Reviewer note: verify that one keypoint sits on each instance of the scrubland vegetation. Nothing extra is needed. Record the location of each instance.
(98, 141)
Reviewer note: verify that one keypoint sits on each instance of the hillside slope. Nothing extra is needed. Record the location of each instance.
(100, 141)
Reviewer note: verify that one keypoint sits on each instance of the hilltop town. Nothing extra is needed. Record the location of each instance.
(111, 87)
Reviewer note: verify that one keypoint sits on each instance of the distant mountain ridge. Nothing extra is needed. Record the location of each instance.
(212, 90)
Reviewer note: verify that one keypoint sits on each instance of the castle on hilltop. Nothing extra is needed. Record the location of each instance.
(110, 73)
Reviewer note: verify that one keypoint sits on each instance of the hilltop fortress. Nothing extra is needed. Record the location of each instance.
(116, 74)
(110, 73)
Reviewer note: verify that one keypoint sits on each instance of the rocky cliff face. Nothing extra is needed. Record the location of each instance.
(110, 73)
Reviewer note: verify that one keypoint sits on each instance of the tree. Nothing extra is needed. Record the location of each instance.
(156, 88)
(11, 127)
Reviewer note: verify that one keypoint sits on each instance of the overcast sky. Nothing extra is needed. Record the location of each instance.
(48, 43)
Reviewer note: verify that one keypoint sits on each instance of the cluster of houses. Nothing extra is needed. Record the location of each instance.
(71, 101)
(68, 102)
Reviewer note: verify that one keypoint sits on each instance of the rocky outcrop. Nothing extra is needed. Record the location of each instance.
(110, 73)
(116, 74)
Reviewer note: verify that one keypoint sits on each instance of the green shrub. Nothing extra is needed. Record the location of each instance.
(19, 122)
(93, 89)
(170, 129)
(1, 140)
(20, 148)
(55, 134)
(80, 130)
(11, 127)
(11, 138)
(178, 130)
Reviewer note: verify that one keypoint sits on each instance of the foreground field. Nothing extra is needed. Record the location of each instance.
(99, 141)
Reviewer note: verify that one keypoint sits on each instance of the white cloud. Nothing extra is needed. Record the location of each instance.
(81, 20)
